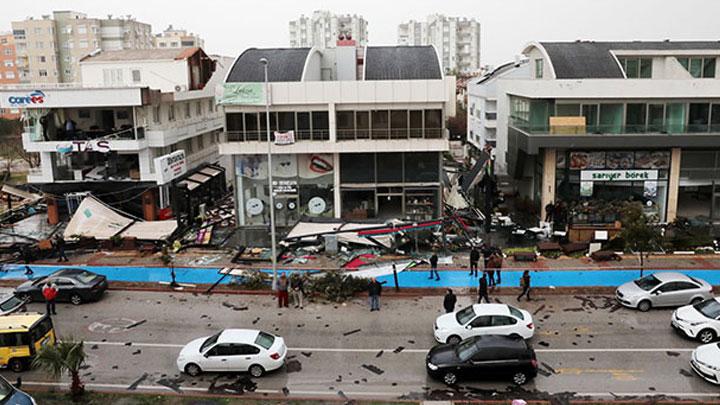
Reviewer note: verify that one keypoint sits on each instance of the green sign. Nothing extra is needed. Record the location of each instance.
(243, 94)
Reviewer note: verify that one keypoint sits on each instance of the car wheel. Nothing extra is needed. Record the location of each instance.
(706, 335)
(192, 369)
(16, 365)
(256, 370)
(696, 301)
(450, 378)
(515, 336)
(75, 299)
(453, 340)
(519, 378)
(644, 306)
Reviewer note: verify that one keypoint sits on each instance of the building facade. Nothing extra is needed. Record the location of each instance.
(597, 123)
(456, 39)
(344, 145)
(108, 132)
(177, 38)
(8, 70)
(49, 49)
(323, 29)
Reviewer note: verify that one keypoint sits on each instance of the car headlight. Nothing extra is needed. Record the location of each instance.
(432, 366)
(695, 323)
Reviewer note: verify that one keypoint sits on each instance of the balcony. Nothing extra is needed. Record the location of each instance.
(261, 136)
(385, 134)
(128, 139)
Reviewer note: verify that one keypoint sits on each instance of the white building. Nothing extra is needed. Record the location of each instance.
(132, 108)
(324, 29)
(177, 38)
(456, 39)
(362, 140)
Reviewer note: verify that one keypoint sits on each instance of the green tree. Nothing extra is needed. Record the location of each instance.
(639, 232)
(67, 356)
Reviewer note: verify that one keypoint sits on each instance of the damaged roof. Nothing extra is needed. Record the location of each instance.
(402, 63)
(284, 65)
(141, 54)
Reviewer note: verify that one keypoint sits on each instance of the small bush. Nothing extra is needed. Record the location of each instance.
(336, 287)
(552, 254)
(256, 281)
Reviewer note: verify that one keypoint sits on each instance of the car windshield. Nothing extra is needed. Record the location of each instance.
(210, 341)
(466, 349)
(516, 312)
(85, 277)
(465, 315)
(647, 283)
(10, 304)
(6, 390)
(40, 280)
(710, 308)
(264, 340)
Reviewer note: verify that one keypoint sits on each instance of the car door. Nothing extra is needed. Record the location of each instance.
(684, 292)
(663, 295)
(503, 325)
(246, 355)
(218, 358)
(478, 326)
(66, 287)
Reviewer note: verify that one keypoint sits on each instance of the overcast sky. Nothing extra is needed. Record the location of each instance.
(230, 26)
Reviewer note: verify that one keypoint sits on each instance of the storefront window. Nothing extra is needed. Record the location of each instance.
(422, 167)
(699, 193)
(390, 168)
(357, 167)
(358, 204)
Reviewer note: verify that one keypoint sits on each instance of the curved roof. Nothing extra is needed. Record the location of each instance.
(594, 60)
(284, 65)
(402, 63)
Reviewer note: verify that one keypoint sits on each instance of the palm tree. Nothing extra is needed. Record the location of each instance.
(65, 356)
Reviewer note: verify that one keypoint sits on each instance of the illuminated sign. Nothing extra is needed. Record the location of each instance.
(171, 166)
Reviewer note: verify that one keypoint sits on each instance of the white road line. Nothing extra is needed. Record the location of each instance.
(352, 350)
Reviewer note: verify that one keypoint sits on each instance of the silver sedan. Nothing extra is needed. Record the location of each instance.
(663, 289)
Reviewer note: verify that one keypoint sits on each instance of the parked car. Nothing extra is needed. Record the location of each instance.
(74, 285)
(236, 350)
(483, 358)
(9, 395)
(700, 321)
(484, 319)
(11, 303)
(663, 289)
(705, 361)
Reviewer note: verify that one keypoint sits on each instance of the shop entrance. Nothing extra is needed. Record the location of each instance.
(390, 203)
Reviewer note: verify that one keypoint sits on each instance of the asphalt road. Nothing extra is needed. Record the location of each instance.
(587, 347)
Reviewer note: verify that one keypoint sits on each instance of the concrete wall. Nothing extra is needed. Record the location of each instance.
(158, 75)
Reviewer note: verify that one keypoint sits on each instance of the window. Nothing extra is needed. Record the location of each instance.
(539, 68)
(345, 121)
(502, 320)
(39, 45)
(399, 124)
(210, 105)
(8, 52)
(136, 76)
(198, 109)
(83, 44)
(9, 63)
(41, 59)
(171, 113)
(698, 117)
(37, 30)
(163, 45)
(264, 340)
(380, 124)
(113, 77)
(156, 114)
(223, 349)
(200, 142)
(246, 350)
(9, 75)
(81, 29)
(187, 110)
(42, 73)
(320, 125)
(481, 321)
(433, 123)
(636, 68)
(422, 167)
(635, 118)
(699, 67)
(19, 34)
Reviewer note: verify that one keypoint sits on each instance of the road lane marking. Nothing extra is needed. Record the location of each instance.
(616, 373)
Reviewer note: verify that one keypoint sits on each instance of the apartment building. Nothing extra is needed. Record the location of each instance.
(8, 70)
(456, 39)
(345, 145)
(600, 122)
(177, 38)
(50, 48)
(324, 29)
(135, 111)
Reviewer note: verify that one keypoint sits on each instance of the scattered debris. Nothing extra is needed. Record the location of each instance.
(539, 309)
(138, 323)
(380, 353)
(544, 344)
(672, 354)
(548, 368)
(241, 385)
(399, 349)
(293, 366)
(172, 383)
(351, 332)
(306, 354)
(136, 352)
(285, 391)
(373, 369)
(137, 382)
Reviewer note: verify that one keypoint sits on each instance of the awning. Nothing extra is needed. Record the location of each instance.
(346, 232)
(27, 197)
(152, 230)
(94, 219)
(198, 178)
(209, 171)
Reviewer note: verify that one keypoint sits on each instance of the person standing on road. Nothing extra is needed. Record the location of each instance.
(433, 267)
(498, 264)
(374, 291)
(525, 284)
(282, 291)
(474, 258)
(50, 292)
(483, 289)
(449, 301)
(60, 248)
(297, 289)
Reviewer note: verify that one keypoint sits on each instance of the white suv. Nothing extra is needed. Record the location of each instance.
(700, 321)
(484, 319)
(705, 362)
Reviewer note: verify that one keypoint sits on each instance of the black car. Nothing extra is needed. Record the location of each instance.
(483, 358)
(74, 285)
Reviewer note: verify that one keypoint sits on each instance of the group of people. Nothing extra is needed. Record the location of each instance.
(293, 287)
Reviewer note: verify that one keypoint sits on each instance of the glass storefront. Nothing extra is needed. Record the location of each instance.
(699, 194)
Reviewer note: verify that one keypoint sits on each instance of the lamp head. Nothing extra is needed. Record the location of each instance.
(264, 61)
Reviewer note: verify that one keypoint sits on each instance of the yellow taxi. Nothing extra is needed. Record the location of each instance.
(21, 336)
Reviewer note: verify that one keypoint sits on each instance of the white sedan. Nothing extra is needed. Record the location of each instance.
(700, 321)
(705, 362)
(233, 350)
(484, 319)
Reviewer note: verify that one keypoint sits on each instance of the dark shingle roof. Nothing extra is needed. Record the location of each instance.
(401, 63)
(593, 60)
(284, 65)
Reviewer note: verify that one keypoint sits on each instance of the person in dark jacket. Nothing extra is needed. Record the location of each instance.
(449, 301)
(374, 291)
(297, 289)
(483, 289)
(433, 266)
(498, 264)
(60, 248)
(474, 258)
(525, 284)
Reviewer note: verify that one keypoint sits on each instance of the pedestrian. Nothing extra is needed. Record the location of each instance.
(449, 301)
(525, 284)
(483, 289)
(26, 254)
(29, 272)
(433, 267)
(550, 212)
(297, 289)
(474, 258)
(487, 252)
(374, 292)
(498, 265)
(60, 248)
(50, 292)
(282, 291)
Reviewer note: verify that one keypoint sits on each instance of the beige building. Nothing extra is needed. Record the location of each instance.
(50, 48)
(324, 29)
(173, 38)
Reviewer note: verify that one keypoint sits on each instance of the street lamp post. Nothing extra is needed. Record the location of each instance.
(273, 258)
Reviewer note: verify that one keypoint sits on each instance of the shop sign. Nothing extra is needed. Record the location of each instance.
(650, 189)
(285, 187)
(84, 146)
(171, 166)
(35, 97)
(586, 188)
(243, 94)
(618, 175)
(284, 138)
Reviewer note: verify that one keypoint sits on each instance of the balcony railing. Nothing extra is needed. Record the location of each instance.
(490, 115)
(385, 134)
(37, 134)
(261, 136)
(620, 129)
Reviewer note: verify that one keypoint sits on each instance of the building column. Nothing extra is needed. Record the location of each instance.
(336, 185)
(46, 166)
(149, 206)
(332, 123)
(547, 188)
(673, 185)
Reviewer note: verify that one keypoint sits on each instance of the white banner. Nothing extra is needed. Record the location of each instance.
(284, 138)
(171, 166)
(618, 175)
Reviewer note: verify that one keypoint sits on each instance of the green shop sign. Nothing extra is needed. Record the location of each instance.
(243, 94)
(618, 175)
